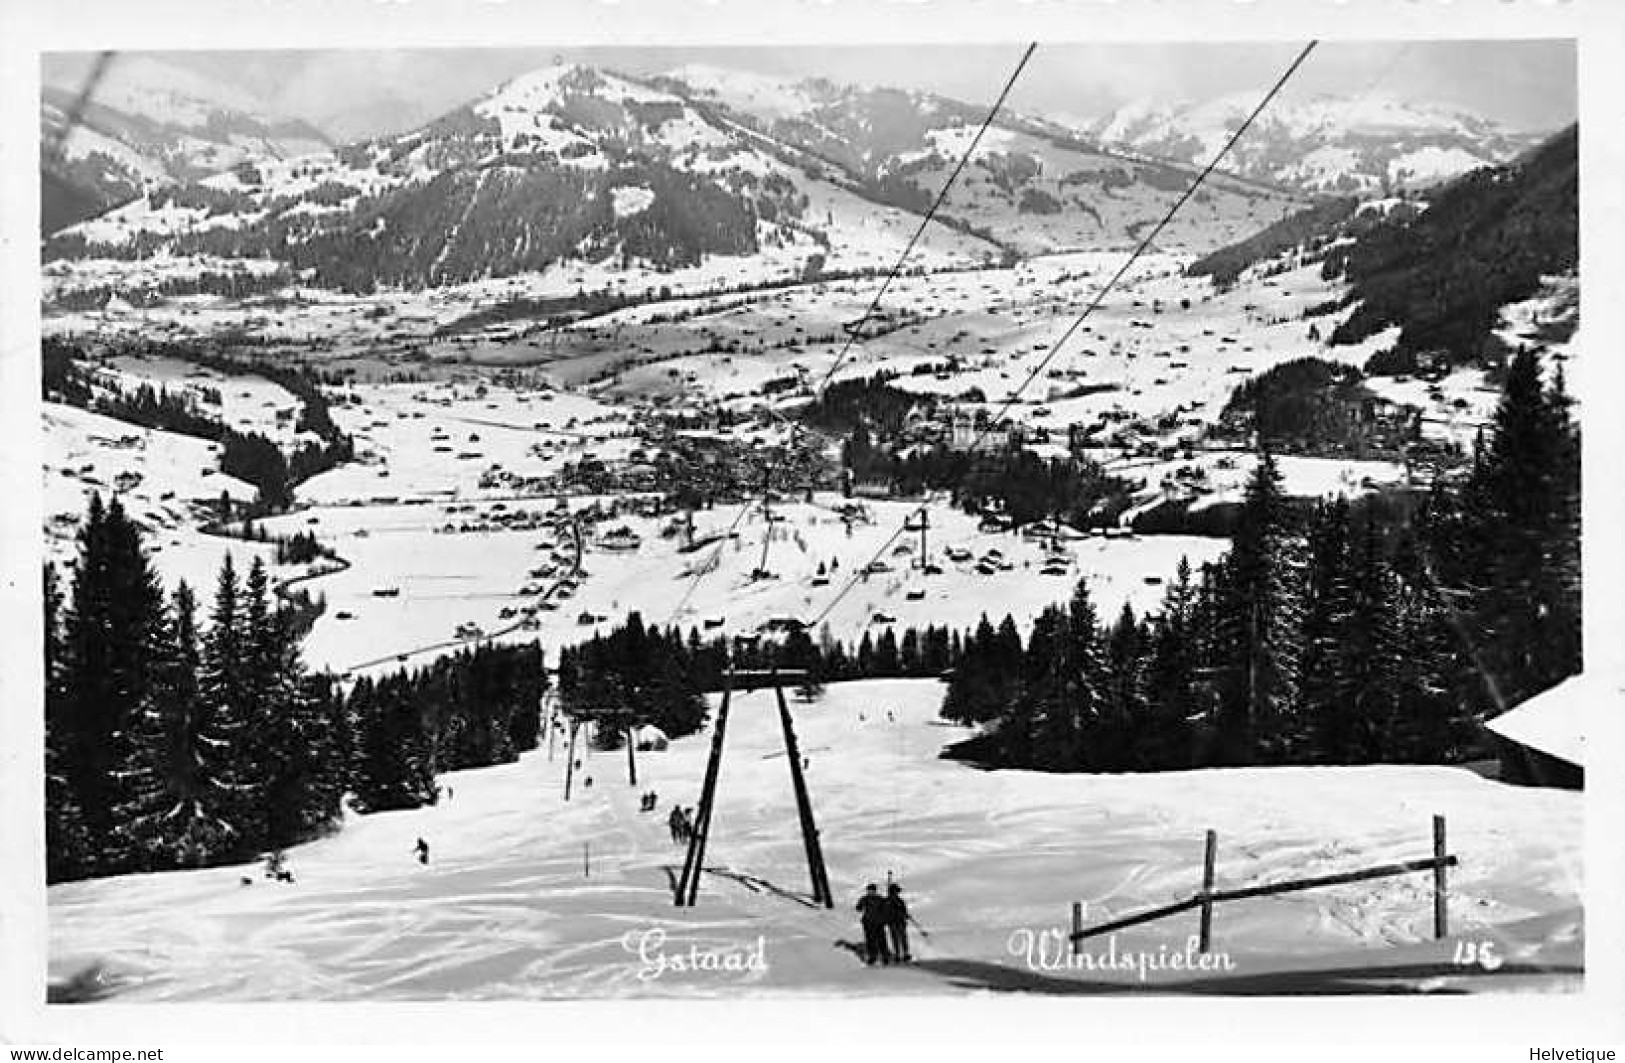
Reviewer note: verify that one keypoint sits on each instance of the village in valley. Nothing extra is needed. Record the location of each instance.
(527, 501)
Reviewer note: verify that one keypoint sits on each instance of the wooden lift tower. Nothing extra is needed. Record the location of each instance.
(688, 885)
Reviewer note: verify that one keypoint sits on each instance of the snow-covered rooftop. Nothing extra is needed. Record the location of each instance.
(1553, 721)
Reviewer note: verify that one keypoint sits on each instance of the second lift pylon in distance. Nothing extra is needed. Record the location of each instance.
(688, 884)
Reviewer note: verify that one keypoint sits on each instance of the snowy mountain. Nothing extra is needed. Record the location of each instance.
(1322, 144)
(1439, 269)
(1033, 183)
(149, 124)
(570, 164)
(563, 164)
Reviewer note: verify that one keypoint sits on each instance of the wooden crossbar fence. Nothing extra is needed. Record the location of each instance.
(1208, 896)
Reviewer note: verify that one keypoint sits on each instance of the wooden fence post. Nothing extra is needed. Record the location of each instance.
(1441, 915)
(1205, 936)
(570, 765)
(1077, 927)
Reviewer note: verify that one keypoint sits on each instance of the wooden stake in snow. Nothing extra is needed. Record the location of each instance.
(1441, 916)
(1206, 936)
(570, 764)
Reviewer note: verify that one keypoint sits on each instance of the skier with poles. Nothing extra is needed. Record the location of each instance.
(897, 920)
(872, 914)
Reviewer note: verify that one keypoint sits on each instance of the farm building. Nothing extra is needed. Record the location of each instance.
(650, 737)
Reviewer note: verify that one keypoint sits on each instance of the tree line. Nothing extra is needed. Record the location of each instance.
(874, 416)
(247, 456)
(173, 742)
(471, 709)
(1505, 227)
(169, 744)
(1344, 636)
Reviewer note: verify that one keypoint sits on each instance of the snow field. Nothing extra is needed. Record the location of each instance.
(506, 908)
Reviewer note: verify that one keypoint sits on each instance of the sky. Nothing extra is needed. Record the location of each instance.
(1527, 85)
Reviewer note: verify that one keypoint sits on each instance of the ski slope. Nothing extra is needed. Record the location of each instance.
(528, 897)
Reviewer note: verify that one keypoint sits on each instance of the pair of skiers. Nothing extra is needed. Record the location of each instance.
(648, 801)
(885, 925)
(681, 822)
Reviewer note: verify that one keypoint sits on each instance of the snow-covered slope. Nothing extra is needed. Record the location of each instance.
(150, 123)
(526, 896)
(1322, 143)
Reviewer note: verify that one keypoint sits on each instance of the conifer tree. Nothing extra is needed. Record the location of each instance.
(67, 842)
(228, 704)
(394, 749)
(1328, 615)
(1126, 697)
(887, 662)
(1262, 621)
(1171, 678)
(110, 646)
(174, 812)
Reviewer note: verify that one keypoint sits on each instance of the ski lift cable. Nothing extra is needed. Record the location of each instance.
(856, 329)
(76, 111)
(798, 426)
(705, 568)
(1094, 304)
(942, 195)
(1140, 249)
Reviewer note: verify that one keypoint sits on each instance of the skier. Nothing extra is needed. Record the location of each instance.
(872, 914)
(896, 913)
(422, 849)
(675, 822)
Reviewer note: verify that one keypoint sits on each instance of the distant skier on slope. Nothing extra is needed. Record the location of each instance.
(676, 823)
(422, 849)
(896, 913)
(872, 914)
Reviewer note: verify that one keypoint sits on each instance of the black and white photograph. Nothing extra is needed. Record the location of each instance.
(1038, 517)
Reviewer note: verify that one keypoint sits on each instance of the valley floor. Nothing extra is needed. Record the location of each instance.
(526, 896)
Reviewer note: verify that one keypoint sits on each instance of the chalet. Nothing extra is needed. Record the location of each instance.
(649, 738)
(871, 489)
(620, 538)
(980, 433)
(1542, 741)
